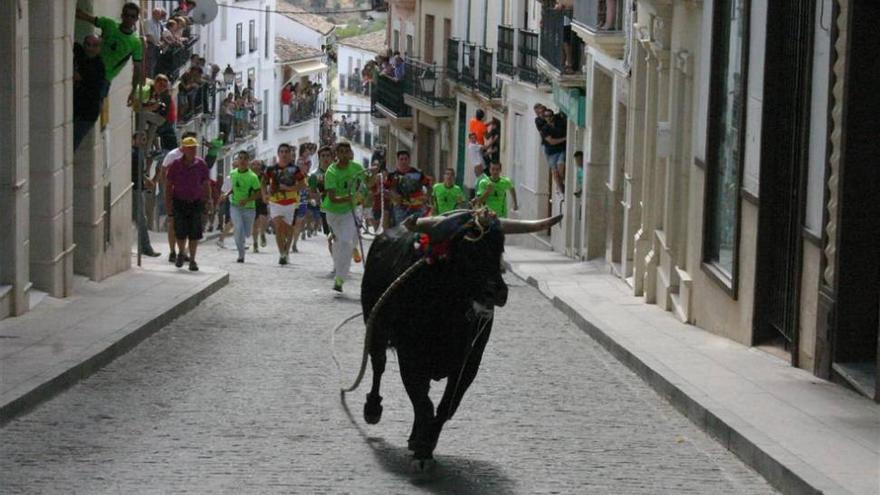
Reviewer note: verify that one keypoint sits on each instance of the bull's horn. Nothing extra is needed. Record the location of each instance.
(421, 225)
(509, 226)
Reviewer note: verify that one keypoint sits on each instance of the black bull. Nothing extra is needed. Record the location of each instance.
(440, 318)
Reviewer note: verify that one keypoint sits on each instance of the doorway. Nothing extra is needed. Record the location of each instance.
(784, 157)
(462, 142)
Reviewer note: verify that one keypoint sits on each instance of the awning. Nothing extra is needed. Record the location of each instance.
(305, 68)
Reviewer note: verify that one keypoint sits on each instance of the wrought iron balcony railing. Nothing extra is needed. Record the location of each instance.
(486, 81)
(427, 83)
(301, 109)
(453, 57)
(389, 94)
(468, 74)
(599, 15)
(553, 43)
(506, 51)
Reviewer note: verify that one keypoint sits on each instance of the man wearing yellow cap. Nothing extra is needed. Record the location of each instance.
(188, 191)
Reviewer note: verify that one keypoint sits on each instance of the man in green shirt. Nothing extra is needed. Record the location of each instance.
(120, 42)
(341, 183)
(492, 191)
(214, 146)
(447, 195)
(242, 198)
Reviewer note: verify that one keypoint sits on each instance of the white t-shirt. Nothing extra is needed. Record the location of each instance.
(474, 154)
(172, 157)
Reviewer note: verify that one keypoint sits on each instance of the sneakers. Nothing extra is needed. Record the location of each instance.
(178, 262)
(152, 254)
(172, 257)
(262, 240)
(256, 250)
(240, 260)
(282, 260)
(337, 284)
(220, 244)
(193, 267)
(356, 255)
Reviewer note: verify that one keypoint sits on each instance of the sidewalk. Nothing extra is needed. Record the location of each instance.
(803, 434)
(62, 341)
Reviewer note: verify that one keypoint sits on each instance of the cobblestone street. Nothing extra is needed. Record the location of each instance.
(241, 395)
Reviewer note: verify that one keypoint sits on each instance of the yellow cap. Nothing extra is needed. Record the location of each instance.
(189, 142)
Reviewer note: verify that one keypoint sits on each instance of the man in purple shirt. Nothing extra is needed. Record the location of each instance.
(188, 190)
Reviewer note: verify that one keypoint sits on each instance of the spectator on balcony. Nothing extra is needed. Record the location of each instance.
(610, 15)
(88, 85)
(156, 101)
(227, 115)
(553, 136)
(171, 36)
(286, 101)
(188, 91)
(399, 67)
(154, 40)
(184, 7)
(478, 127)
(567, 7)
(120, 42)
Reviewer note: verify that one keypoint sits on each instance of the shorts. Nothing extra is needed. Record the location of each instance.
(301, 211)
(315, 211)
(566, 33)
(262, 208)
(555, 160)
(188, 219)
(287, 212)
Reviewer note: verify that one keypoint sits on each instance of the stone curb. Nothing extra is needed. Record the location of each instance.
(108, 349)
(782, 469)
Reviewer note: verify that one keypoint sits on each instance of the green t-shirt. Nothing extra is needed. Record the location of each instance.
(343, 181)
(214, 147)
(497, 199)
(447, 198)
(117, 46)
(244, 184)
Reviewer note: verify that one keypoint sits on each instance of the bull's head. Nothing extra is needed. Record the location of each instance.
(476, 243)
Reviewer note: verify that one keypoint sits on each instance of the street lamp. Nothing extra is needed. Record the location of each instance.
(428, 81)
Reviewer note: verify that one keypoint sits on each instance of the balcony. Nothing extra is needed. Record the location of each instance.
(527, 69)
(599, 23)
(353, 84)
(301, 109)
(243, 122)
(506, 51)
(552, 60)
(199, 102)
(171, 61)
(389, 98)
(426, 89)
(486, 79)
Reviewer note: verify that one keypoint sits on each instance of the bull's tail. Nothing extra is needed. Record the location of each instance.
(371, 320)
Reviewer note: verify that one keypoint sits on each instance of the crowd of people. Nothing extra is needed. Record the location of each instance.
(299, 101)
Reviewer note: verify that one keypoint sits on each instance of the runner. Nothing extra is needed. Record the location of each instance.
(341, 183)
(301, 214)
(316, 184)
(188, 187)
(409, 190)
(282, 186)
(447, 195)
(171, 157)
(492, 191)
(261, 210)
(246, 188)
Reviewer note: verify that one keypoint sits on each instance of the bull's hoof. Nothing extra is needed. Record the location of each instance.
(423, 466)
(373, 409)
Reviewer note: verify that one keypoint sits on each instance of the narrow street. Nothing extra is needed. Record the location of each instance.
(241, 395)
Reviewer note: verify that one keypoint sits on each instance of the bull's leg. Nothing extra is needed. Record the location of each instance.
(458, 383)
(417, 384)
(373, 406)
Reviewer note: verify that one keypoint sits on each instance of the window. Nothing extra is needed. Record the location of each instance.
(429, 39)
(266, 34)
(725, 142)
(409, 45)
(252, 36)
(239, 41)
(396, 43)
